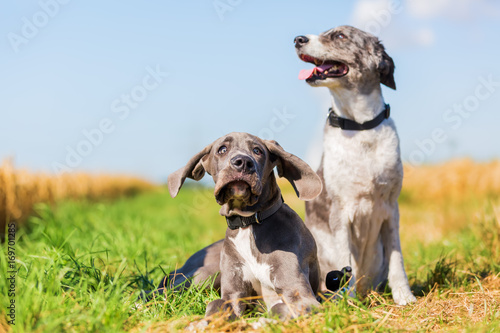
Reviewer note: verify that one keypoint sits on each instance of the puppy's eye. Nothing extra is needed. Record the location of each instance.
(257, 151)
(222, 150)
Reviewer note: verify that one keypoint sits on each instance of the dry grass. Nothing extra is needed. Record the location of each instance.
(453, 182)
(440, 199)
(451, 310)
(478, 304)
(20, 190)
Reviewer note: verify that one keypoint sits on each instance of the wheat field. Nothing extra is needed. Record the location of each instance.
(20, 190)
(455, 181)
(452, 182)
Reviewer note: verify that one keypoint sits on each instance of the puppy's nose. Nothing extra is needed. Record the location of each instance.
(243, 163)
(300, 40)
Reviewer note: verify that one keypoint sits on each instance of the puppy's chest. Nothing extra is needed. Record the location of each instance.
(254, 271)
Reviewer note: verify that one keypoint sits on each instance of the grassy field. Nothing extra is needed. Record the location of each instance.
(83, 264)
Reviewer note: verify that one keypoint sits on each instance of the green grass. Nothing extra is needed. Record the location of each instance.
(82, 266)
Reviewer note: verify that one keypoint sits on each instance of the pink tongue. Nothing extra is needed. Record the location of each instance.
(307, 73)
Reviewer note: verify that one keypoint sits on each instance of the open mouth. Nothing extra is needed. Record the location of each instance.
(236, 197)
(324, 69)
(235, 191)
(238, 189)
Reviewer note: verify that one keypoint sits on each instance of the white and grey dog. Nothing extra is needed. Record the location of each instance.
(355, 220)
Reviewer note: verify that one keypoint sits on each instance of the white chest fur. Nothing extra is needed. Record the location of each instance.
(358, 164)
(255, 272)
(363, 172)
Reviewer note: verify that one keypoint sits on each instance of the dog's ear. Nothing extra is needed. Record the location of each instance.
(305, 181)
(385, 66)
(194, 169)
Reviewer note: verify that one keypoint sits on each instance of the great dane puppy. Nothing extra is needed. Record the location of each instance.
(267, 251)
(355, 220)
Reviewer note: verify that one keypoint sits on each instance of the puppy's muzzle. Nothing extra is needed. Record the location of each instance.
(239, 181)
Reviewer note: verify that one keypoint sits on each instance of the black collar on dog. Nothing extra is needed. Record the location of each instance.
(236, 221)
(347, 124)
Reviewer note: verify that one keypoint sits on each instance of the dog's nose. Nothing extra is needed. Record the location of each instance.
(300, 40)
(243, 163)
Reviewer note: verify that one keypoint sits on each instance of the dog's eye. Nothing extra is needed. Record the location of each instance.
(340, 36)
(222, 150)
(257, 151)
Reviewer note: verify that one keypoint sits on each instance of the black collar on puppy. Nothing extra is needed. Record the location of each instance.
(236, 221)
(347, 124)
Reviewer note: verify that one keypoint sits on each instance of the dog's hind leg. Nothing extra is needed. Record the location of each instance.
(201, 266)
(344, 256)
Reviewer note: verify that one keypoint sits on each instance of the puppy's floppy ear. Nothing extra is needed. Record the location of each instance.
(305, 181)
(194, 169)
(385, 66)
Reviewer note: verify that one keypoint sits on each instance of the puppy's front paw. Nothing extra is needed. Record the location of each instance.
(262, 322)
(403, 296)
(197, 326)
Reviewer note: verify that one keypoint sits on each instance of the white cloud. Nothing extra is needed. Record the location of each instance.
(405, 23)
(405, 37)
(453, 9)
(388, 20)
(423, 36)
(428, 8)
(375, 15)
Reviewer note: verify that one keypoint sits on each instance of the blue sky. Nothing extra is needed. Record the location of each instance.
(139, 87)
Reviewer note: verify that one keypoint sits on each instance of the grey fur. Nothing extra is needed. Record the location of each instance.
(275, 259)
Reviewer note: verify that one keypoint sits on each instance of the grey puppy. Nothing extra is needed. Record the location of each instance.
(267, 251)
(355, 220)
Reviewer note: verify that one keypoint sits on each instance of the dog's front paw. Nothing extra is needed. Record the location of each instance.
(403, 296)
